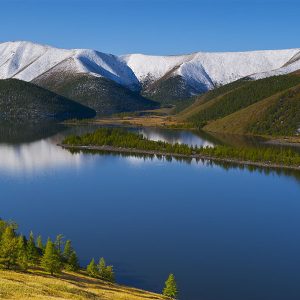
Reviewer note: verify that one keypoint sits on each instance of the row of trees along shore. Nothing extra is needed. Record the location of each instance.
(120, 138)
(22, 254)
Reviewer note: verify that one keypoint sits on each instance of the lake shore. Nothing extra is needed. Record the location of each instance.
(193, 156)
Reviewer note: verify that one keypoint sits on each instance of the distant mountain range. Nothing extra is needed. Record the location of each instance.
(111, 84)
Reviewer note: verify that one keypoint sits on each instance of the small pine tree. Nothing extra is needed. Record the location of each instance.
(92, 269)
(102, 268)
(73, 264)
(59, 243)
(32, 251)
(51, 261)
(8, 248)
(170, 290)
(67, 250)
(22, 259)
(39, 244)
(105, 272)
(110, 275)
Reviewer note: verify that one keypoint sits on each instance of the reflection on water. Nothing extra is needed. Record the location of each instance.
(35, 157)
(14, 133)
(177, 136)
(29, 148)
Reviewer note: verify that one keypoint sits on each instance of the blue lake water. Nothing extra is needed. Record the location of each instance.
(227, 233)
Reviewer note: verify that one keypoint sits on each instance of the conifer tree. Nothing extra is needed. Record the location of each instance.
(51, 261)
(8, 248)
(105, 272)
(73, 264)
(110, 275)
(32, 251)
(70, 257)
(22, 258)
(170, 290)
(59, 243)
(102, 268)
(39, 244)
(92, 269)
(67, 250)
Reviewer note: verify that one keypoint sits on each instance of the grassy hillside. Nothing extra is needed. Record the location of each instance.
(23, 101)
(208, 99)
(268, 106)
(104, 96)
(38, 285)
(275, 115)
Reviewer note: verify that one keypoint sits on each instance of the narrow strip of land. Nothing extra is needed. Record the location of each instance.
(106, 148)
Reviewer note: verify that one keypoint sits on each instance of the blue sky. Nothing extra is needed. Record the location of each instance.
(153, 26)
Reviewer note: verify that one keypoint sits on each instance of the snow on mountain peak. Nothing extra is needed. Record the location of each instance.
(201, 71)
(27, 61)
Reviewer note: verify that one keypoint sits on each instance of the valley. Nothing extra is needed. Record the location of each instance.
(136, 155)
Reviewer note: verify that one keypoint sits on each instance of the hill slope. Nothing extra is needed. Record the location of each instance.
(37, 285)
(103, 95)
(24, 101)
(267, 106)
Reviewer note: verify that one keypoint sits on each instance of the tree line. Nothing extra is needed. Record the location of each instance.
(19, 253)
(121, 138)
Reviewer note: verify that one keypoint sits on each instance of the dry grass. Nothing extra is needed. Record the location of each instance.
(140, 121)
(38, 285)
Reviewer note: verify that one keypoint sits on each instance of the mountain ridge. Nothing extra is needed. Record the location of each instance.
(150, 75)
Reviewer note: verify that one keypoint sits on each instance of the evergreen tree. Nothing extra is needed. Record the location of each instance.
(22, 258)
(39, 244)
(110, 275)
(102, 268)
(59, 243)
(32, 251)
(51, 261)
(8, 248)
(73, 264)
(70, 257)
(92, 269)
(105, 272)
(170, 289)
(67, 250)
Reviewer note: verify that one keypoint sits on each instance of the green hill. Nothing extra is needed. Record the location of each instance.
(104, 96)
(23, 101)
(268, 106)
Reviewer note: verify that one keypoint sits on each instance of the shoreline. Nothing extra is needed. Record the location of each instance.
(193, 156)
(169, 122)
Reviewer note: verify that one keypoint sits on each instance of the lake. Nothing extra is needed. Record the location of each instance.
(226, 232)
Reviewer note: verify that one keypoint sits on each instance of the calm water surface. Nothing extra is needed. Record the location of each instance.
(227, 233)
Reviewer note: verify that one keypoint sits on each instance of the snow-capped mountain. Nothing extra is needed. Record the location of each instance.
(27, 61)
(156, 76)
(210, 69)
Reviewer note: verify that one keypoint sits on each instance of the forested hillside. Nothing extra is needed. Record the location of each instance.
(267, 107)
(24, 101)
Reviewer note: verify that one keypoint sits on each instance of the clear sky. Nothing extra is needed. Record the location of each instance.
(153, 26)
